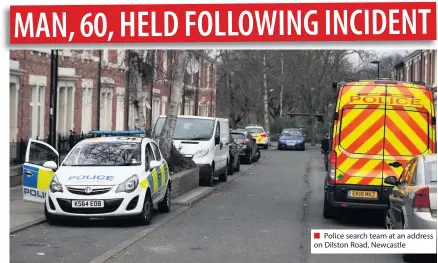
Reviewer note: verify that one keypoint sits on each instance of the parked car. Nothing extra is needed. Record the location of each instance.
(249, 151)
(259, 134)
(291, 138)
(100, 178)
(413, 198)
(206, 141)
(234, 164)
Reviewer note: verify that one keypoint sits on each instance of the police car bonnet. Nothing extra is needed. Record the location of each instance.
(70, 175)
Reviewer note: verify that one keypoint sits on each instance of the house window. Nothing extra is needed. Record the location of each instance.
(87, 105)
(132, 117)
(13, 112)
(187, 108)
(155, 108)
(36, 111)
(106, 109)
(120, 110)
(36, 106)
(163, 105)
(65, 106)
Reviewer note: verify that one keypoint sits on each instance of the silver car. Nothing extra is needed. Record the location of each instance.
(413, 198)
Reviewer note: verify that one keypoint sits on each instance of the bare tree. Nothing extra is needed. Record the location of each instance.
(179, 65)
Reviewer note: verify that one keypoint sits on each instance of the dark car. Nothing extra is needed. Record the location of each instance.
(291, 138)
(235, 150)
(249, 152)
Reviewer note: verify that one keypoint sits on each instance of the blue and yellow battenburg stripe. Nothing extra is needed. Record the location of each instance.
(157, 178)
(39, 178)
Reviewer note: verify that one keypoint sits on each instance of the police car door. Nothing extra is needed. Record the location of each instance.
(163, 171)
(155, 183)
(37, 170)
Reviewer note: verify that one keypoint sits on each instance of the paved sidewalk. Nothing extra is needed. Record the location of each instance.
(23, 214)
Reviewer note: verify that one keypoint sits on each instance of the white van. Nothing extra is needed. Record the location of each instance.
(204, 139)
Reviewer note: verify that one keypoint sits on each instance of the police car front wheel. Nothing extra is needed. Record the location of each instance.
(148, 210)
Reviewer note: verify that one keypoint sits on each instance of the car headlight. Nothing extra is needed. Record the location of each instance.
(55, 185)
(129, 185)
(201, 152)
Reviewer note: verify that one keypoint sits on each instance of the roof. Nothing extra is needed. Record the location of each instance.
(192, 117)
(238, 131)
(117, 139)
(388, 81)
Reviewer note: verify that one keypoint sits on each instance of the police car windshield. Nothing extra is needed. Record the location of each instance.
(188, 128)
(105, 154)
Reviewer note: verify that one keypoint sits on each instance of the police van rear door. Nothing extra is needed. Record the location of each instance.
(36, 178)
(409, 129)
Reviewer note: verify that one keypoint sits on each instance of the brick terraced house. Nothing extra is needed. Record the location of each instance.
(421, 66)
(77, 91)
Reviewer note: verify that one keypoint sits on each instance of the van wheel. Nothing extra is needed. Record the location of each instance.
(238, 164)
(231, 168)
(145, 217)
(164, 205)
(209, 180)
(223, 177)
(329, 211)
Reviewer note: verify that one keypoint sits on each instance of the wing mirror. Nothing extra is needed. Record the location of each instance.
(154, 164)
(50, 165)
(391, 180)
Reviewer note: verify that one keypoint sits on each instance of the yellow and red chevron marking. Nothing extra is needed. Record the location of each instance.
(408, 130)
(360, 150)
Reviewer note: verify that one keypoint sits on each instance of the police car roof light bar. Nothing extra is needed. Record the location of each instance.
(117, 133)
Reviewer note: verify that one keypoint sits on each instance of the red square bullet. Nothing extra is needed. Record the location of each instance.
(316, 235)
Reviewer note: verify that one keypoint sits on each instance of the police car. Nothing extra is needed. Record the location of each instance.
(117, 176)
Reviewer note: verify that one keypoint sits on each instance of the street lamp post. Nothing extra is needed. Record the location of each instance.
(378, 67)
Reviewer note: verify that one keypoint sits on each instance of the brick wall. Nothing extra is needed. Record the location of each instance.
(86, 67)
(38, 63)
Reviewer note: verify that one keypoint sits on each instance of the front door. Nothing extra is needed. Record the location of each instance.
(36, 178)
(218, 148)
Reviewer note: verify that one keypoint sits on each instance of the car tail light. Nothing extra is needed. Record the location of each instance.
(245, 141)
(263, 134)
(421, 200)
(332, 169)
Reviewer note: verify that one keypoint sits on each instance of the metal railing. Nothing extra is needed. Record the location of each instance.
(64, 143)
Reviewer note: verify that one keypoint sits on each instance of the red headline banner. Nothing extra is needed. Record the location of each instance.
(271, 22)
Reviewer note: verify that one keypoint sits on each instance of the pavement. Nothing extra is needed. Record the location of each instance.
(33, 240)
(23, 214)
(263, 214)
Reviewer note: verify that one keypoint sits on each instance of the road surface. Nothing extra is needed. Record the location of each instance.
(264, 215)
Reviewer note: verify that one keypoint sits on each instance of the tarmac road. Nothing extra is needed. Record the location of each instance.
(264, 215)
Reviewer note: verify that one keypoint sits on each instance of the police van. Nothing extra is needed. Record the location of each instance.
(121, 175)
(378, 126)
